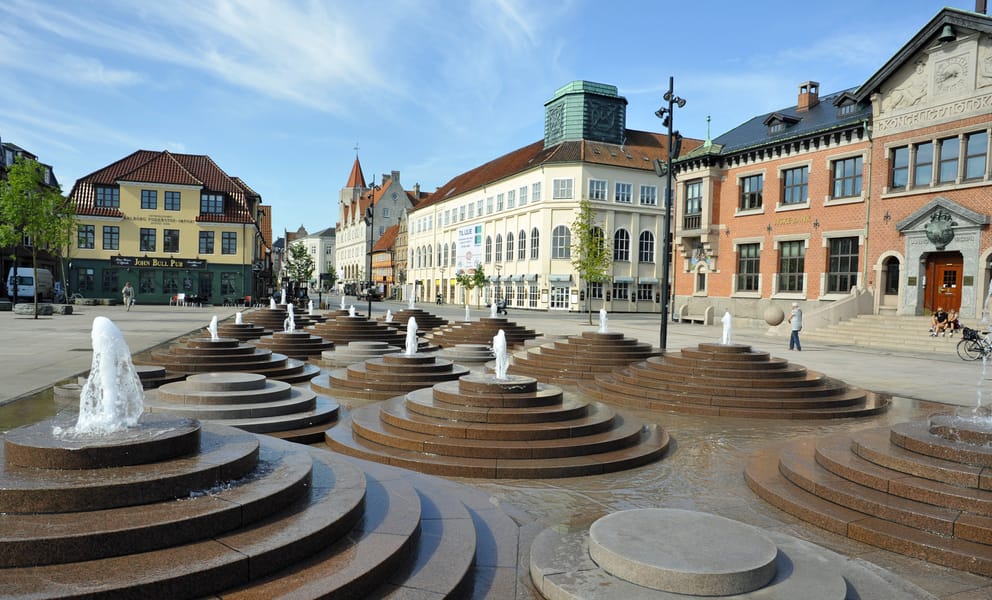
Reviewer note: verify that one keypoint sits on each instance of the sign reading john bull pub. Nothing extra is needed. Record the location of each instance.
(144, 262)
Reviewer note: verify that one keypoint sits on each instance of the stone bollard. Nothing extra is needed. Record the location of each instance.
(62, 309)
(25, 308)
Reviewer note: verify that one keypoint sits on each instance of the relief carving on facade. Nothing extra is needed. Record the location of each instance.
(984, 78)
(910, 92)
(952, 74)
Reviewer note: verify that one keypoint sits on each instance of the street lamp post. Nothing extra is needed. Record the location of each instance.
(370, 220)
(674, 145)
(498, 268)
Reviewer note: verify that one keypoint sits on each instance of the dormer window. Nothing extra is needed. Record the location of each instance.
(778, 122)
(211, 203)
(108, 196)
(846, 105)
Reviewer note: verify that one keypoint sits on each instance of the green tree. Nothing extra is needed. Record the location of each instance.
(300, 264)
(591, 256)
(31, 208)
(331, 277)
(471, 280)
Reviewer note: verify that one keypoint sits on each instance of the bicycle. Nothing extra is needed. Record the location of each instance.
(974, 344)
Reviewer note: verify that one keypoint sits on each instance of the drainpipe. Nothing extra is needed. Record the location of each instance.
(866, 126)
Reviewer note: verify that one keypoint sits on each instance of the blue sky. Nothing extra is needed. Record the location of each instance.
(279, 93)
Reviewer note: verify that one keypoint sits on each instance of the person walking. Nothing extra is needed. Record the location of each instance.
(796, 321)
(128, 294)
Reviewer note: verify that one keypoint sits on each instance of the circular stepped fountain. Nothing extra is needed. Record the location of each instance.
(353, 352)
(247, 401)
(917, 488)
(242, 331)
(671, 554)
(734, 380)
(580, 358)
(274, 319)
(179, 509)
(480, 426)
(386, 376)
(481, 332)
(425, 320)
(204, 355)
(473, 355)
(344, 329)
(295, 344)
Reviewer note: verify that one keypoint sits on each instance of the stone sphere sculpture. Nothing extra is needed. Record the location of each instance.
(774, 315)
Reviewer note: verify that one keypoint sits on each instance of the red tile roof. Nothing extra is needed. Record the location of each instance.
(639, 152)
(165, 168)
(385, 242)
(356, 179)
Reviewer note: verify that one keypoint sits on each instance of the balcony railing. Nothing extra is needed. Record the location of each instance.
(693, 221)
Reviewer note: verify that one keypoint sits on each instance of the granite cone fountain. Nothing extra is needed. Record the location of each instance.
(497, 426)
(133, 505)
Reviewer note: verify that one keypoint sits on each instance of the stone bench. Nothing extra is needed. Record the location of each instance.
(6, 305)
(28, 308)
(704, 318)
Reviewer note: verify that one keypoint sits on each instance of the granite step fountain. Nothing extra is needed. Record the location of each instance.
(210, 354)
(497, 426)
(481, 331)
(734, 380)
(425, 320)
(295, 344)
(580, 358)
(388, 375)
(247, 401)
(351, 353)
(241, 330)
(671, 553)
(126, 504)
(923, 489)
(274, 318)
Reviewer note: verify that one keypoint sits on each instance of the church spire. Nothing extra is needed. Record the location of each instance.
(356, 179)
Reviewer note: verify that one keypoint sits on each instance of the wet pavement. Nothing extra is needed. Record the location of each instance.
(703, 470)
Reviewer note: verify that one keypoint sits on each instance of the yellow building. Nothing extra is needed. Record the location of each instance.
(169, 224)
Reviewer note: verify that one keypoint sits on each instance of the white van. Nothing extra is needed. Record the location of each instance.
(26, 283)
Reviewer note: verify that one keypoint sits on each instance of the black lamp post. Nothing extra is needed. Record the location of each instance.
(370, 220)
(674, 145)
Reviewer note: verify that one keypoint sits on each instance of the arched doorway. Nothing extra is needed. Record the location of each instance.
(890, 282)
(943, 281)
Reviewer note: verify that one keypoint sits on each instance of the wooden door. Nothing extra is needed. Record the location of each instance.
(943, 289)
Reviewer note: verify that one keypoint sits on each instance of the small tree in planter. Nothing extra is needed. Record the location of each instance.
(471, 279)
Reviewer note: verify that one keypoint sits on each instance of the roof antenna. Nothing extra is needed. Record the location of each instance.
(708, 142)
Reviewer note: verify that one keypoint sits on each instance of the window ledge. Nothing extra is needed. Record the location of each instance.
(839, 201)
(750, 211)
(788, 207)
(746, 295)
(789, 296)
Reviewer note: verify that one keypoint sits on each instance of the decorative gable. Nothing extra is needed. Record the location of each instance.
(778, 122)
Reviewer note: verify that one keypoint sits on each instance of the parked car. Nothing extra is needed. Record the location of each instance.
(370, 294)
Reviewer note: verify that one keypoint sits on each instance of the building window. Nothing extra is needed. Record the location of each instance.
(170, 240)
(923, 165)
(694, 198)
(228, 283)
(149, 199)
(86, 237)
(791, 266)
(561, 242)
(108, 197)
(645, 291)
(110, 283)
(842, 267)
(751, 192)
(206, 242)
(596, 290)
(535, 192)
(443, 261)
(950, 151)
(499, 247)
(621, 290)
(172, 201)
(649, 195)
(795, 185)
(522, 245)
(532, 297)
(212, 204)
(146, 281)
(511, 199)
(976, 150)
(899, 173)
(146, 241)
(489, 205)
(111, 237)
(535, 242)
(621, 245)
(454, 253)
(645, 247)
(229, 242)
(489, 249)
(597, 189)
(170, 282)
(523, 195)
(623, 193)
(84, 281)
(847, 177)
(499, 202)
(748, 267)
(562, 189)
(509, 247)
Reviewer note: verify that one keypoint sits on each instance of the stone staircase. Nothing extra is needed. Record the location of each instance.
(888, 332)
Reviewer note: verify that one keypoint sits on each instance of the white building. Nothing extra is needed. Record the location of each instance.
(514, 215)
(321, 248)
(352, 235)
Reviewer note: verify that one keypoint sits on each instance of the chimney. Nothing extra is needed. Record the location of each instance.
(809, 95)
(416, 190)
(981, 6)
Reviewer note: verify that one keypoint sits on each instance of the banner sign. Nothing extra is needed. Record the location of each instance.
(145, 262)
